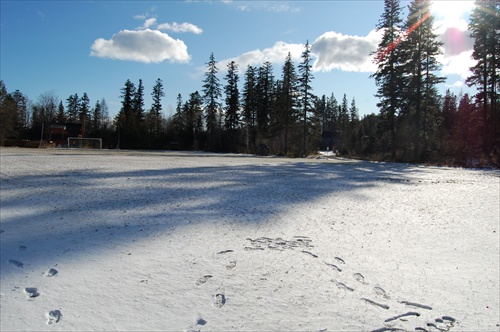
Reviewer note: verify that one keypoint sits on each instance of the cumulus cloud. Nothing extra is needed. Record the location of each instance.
(335, 50)
(148, 46)
(458, 64)
(275, 54)
(180, 27)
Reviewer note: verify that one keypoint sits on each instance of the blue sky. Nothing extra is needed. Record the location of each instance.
(70, 47)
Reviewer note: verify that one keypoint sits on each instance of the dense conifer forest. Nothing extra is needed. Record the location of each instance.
(274, 111)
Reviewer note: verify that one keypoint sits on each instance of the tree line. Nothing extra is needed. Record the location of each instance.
(282, 116)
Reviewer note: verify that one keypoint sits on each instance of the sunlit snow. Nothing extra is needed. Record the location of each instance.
(123, 240)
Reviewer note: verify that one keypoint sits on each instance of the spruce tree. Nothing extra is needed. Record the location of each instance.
(61, 116)
(389, 74)
(73, 107)
(96, 121)
(232, 116)
(305, 79)
(485, 75)
(212, 94)
(265, 98)
(125, 121)
(84, 113)
(420, 51)
(289, 93)
(250, 105)
(155, 115)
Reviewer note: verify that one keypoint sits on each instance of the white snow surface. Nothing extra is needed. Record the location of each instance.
(180, 241)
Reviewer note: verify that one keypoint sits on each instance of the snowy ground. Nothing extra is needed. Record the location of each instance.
(121, 240)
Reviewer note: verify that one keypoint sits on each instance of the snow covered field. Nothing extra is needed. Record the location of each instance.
(130, 240)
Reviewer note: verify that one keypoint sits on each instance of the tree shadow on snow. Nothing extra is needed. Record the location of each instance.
(82, 210)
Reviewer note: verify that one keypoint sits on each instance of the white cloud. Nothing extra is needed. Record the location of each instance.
(458, 64)
(267, 6)
(148, 23)
(275, 54)
(180, 27)
(335, 50)
(148, 46)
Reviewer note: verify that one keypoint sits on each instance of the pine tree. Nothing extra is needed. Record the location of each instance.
(389, 73)
(305, 79)
(485, 75)
(212, 94)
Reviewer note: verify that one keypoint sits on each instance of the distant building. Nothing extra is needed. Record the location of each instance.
(60, 132)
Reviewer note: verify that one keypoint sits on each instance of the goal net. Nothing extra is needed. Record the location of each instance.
(84, 143)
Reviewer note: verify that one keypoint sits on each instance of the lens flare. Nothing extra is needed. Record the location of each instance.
(385, 51)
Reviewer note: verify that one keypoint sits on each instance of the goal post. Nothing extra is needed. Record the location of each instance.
(84, 143)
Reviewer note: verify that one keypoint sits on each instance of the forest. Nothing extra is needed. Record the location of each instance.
(270, 111)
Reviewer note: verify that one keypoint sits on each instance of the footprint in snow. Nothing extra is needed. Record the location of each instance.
(22, 248)
(359, 277)
(231, 265)
(54, 316)
(381, 292)
(16, 263)
(31, 292)
(51, 272)
(219, 299)
(203, 279)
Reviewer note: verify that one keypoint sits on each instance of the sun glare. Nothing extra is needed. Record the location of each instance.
(450, 9)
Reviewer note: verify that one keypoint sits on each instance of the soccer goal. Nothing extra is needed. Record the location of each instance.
(84, 143)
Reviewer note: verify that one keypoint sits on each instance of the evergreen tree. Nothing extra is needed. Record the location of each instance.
(265, 98)
(61, 115)
(73, 107)
(7, 113)
(84, 112)
(212, 94)
(420, 52)
(125, 122)
(155, 116)
(485, 75)
(96, 121)
(232, 116)
(22, 112)
(305, 79)
(250, 106)
(389, 73)
(353, 112)
(288, 94)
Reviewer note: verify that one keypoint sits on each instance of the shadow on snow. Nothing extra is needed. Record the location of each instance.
(83, 210)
